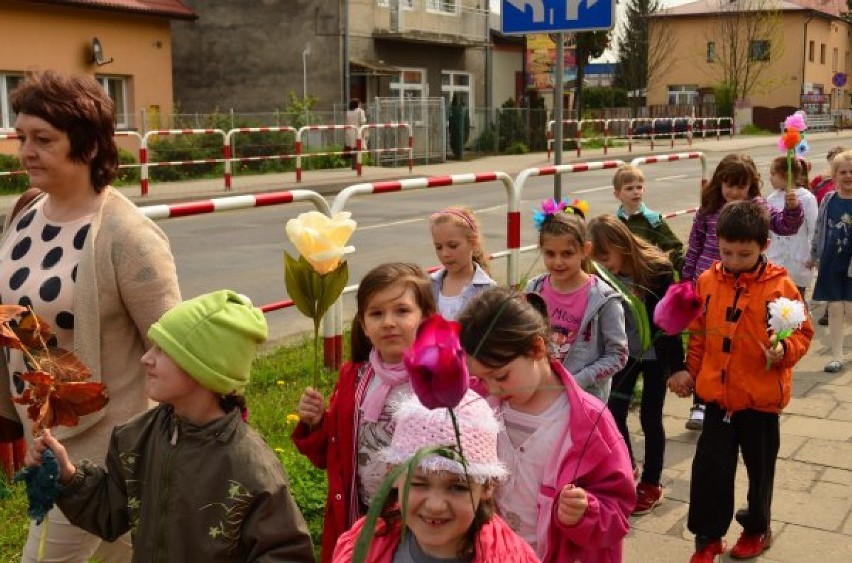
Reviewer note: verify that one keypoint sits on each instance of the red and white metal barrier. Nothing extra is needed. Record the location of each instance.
(10, 137)
(680, 212)
(559, 169)
(317, 128)
(550, 133)
(359, 146)
(673, 157)
(230, 157)
(631, 129)
(143, 151)
(170, 211)
(334, 346)
(579, 137)
(719, 126)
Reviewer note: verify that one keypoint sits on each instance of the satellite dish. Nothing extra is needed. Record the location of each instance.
(98, 53)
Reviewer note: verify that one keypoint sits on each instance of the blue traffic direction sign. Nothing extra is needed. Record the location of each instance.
(553, 16)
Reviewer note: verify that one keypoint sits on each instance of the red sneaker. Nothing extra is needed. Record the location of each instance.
(751, 545)
(708, 553)
(648, 497)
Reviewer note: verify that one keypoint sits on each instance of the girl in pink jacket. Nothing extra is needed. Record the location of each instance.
(570, 488)
(449, 514)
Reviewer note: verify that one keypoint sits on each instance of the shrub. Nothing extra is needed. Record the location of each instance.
(752, 129)
(518, 148)
(16, 183)
(127, 176)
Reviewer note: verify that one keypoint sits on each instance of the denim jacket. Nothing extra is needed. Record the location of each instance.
(480, 282)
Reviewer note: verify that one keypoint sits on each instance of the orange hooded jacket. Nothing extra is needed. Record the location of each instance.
(727, 342)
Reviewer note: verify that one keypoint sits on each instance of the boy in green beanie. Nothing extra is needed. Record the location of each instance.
(189, 479)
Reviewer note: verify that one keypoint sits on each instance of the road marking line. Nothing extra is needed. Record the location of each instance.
(419, 219)
(678, 177)
(587, 190)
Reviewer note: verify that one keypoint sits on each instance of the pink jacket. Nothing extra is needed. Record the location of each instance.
(498, 544)
(596, 459)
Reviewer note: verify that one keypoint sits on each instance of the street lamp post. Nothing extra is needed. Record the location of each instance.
(305, 52)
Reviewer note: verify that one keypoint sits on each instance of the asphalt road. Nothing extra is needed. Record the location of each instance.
(243, 250)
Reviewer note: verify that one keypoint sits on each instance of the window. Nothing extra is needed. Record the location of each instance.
(822, 53)
(442, 6)
(758, 50)
(711, 51)
(454, 83)
(846, 63)
(116, 87)
(834, 57)
(682, 94)
(407, 4)
(8, 82)
(811, 51)
(410, 86)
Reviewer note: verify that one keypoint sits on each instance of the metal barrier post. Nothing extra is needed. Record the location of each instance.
(673, 157)
(230, 155)
(143, 151)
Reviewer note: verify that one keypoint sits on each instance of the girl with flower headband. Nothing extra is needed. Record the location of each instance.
(569, 491)
(586, 315)
(346, 437)
(735, 179)
(464, 273)
(449, 513)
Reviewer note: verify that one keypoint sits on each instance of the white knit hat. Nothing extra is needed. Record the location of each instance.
(418, 427)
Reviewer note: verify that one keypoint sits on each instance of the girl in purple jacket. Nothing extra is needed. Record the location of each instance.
(735, 179)
(570, 488)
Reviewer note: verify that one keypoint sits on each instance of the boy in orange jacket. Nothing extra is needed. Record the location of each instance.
(730, 346)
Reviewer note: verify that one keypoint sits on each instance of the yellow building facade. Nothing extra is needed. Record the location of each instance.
(798, 51)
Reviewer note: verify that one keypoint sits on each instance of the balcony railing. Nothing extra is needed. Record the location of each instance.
(432, 21)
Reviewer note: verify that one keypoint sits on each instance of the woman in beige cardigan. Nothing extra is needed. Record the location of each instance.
(83, 257)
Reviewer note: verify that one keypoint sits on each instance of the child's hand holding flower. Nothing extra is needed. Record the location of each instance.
(571, 505)
(785, 316)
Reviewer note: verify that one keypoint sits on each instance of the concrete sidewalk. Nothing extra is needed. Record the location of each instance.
(812, 503)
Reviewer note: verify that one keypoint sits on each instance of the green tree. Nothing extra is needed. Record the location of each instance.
(588, 45)
(642, 55)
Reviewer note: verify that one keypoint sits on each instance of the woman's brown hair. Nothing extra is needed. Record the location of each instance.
(80, 107)
(382, 277)
(734, 169)
(644, 260)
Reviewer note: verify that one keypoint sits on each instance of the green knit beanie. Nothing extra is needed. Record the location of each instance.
(214, 338)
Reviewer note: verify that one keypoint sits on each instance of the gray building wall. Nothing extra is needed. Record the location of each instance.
(247, 55)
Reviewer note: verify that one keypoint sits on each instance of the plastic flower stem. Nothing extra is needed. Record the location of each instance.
(461, 453)
(42, 541)
(789, 170)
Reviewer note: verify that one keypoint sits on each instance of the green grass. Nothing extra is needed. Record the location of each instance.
(278, 379)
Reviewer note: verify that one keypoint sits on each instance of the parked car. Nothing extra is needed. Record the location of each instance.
(663, 127)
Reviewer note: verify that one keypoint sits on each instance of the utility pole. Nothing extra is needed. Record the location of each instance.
(558, 96)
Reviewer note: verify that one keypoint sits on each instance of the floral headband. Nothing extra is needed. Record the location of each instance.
(551, 207)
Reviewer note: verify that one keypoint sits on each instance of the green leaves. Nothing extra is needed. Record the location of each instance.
(636, 305)
(313, 293)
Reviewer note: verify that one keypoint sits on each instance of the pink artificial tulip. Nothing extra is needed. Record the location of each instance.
(679, 307)
(436, 364)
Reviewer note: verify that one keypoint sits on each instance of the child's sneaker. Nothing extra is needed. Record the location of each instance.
(696, 418)
(648, 497)
(706, 552)
(751, 545)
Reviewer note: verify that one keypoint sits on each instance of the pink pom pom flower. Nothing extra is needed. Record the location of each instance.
(679, 307)
(436, 364)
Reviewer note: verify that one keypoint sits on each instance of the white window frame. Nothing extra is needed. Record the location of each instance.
(441, 7)
(123, 114)
(405, 4)
(399, 87)
(452, 88)
(690, 91)
(6, 120)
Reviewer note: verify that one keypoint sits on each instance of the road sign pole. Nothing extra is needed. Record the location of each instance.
(558, 99)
